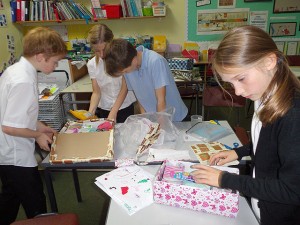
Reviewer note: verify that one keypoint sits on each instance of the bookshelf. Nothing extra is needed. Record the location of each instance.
(67, 12)
(80, 21)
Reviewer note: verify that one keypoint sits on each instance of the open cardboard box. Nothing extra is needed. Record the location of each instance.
(82, 147)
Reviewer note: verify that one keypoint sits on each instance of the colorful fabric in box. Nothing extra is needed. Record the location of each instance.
(181, 63)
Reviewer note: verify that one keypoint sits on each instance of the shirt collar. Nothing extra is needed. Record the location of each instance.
(29, 67)
(145, 57)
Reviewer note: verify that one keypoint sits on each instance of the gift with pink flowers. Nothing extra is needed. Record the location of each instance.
(174, 186)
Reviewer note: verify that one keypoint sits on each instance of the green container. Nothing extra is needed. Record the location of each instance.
(147, 11)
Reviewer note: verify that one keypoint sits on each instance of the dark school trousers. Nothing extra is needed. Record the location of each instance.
(121, 115)
(20, 185)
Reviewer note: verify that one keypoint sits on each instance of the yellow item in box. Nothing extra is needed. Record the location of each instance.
(159, 43)
(191, 46)
(82, 114)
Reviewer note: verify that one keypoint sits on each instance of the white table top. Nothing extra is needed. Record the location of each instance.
(83, 85)
(157, 214)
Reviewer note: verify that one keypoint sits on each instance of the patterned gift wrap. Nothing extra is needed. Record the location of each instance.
(187, 75)
(181, 63)
(215, 200)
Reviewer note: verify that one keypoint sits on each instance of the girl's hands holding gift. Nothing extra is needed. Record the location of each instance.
(206, 175)
(223, 157)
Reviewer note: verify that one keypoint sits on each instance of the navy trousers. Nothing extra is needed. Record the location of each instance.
(20, 186)
(121, 116)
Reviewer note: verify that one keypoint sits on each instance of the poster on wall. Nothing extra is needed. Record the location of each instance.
(10, 43)
(202, 3)
(292, 48)
(282, 29)
(280, 45)
(221, 20)
(259, 19)
(226, 4)
(284, 6)
(3, 22)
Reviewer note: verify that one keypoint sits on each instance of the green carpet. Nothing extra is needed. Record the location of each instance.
(93, 208)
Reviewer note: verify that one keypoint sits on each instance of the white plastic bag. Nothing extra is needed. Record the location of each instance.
(132, 132)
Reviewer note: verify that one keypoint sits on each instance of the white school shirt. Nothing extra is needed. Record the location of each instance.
(256, 126)
(109, 86)
(18, 109)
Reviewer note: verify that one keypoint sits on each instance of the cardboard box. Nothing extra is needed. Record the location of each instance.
(181, 63)
(216, 201)
(82, 147)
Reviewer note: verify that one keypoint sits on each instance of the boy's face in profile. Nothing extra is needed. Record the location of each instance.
(47, 65)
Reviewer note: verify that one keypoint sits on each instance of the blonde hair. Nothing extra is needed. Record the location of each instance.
(248, 46)
(43, 40)
(99, 33)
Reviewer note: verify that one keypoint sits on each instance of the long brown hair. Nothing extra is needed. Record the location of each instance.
(99, 33)
(246, 47)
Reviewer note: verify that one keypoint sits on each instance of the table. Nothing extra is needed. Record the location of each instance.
(109, 165)
(83, 85)
(157, 214)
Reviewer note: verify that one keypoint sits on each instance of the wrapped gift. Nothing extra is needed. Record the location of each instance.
(181, 63)
(193, 196)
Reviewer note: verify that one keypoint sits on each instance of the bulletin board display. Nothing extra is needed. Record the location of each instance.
(207, 21)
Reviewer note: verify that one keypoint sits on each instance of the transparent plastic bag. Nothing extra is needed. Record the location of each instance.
(208, 132)
(132, 132)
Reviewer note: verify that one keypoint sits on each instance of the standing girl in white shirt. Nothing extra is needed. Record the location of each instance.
(104, 102)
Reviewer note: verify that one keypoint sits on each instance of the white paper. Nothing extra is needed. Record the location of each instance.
(130, 187)
(163, 154)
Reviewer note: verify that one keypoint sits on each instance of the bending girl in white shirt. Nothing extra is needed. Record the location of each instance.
(104, 100)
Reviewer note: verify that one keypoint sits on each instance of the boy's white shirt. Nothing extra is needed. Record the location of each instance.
(18, 109)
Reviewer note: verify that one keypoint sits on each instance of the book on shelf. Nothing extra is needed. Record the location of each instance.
(129, 8)
(18, 10)
(26, 10)
(48, 10)
(13, 10)
(96, 9)
(57, 16)
(139, 7)
(75, 13)
(86, 12)
(75, 7)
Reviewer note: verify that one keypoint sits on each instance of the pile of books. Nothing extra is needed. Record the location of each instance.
(47, 10)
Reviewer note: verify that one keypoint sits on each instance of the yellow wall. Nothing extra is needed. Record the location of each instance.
(12, 30)
(173, 26)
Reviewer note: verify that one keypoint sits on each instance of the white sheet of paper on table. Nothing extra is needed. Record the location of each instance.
(129, 186)
(171, 154)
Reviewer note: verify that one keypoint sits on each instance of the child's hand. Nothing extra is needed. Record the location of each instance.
(44, 141)
(206, 175)
(223, 157)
